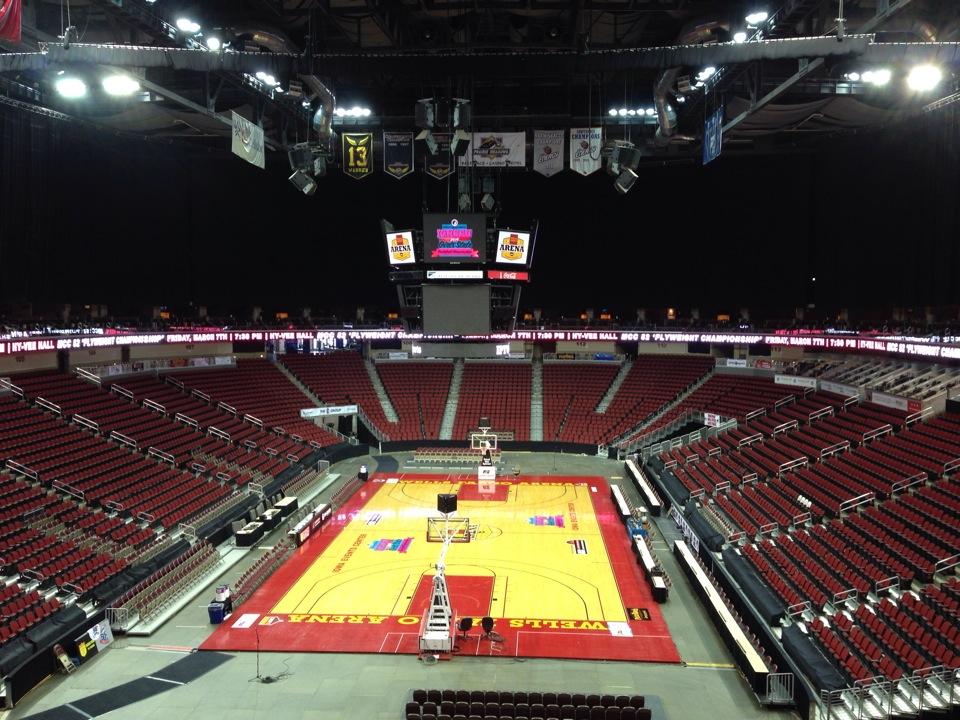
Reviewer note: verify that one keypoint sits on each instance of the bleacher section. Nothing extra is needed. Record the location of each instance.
(571, 392)
(340, 378)
(418, 392)
(856, 538)
(498, 390)
(448, 704)
(67, 458)
(262, 394)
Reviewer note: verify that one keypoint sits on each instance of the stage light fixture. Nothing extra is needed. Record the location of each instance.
(651, 112)
(267, 79)
(878, 78)
(852, 76)
(625, 181)
(303, 182)
(755, 18)
(187, 25)
(119, 85)
(613, 112)
(622, 112)
(71, 87)
(426, 138)
(924, 78)
(631, 112)
(739, 37)
(459, 143)
(706, 73)
(214, 43)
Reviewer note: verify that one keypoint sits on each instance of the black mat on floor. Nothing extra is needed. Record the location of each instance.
(386, 464)
(179, 673)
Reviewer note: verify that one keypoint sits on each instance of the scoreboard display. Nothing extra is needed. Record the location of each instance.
(455, 238)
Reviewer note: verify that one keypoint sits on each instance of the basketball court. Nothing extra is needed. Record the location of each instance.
(547, 557)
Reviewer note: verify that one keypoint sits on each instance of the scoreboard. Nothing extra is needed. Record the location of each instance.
(459, 274)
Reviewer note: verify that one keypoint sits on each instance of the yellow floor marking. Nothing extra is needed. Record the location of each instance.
(725, 666)
(537, 572)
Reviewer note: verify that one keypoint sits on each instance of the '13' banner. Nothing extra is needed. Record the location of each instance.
(357, 154)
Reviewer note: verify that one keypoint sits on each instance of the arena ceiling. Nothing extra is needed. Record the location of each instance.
(788, 82)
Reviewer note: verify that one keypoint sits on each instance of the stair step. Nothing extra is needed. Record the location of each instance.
(536, 402)
(388, 409)
(611, 392)
(453, 399)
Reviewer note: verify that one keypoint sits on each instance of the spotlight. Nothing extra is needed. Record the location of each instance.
(625, 181)
(877, 77)
(188, 26)
(739, 37)
(303, 182)
(631, 112)
(71, 87)
(267, 79)
(706, 73)
(755, 18)
(426, 137)
(214, 44)
(924, 78)
(120, 85)
(459, 143)
(853, 76)
(622, 112)
(613, 112)
(651, 112)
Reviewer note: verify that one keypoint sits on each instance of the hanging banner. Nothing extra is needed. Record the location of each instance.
(10, 20)
(357, 154)
(585, 144)
(713, 137)
(397, 154)
(248, 141)
(497, 149)
(548, 151)
(439, 166)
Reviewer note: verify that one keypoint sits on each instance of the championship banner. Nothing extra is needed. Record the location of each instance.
(248, 141)
(548, 151)
(713, 137)
(585, 144)
(357, 154)
(439, 166)
(397, 154)
(497, 149)
(10, 20)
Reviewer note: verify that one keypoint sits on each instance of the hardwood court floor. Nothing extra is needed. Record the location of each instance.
(550, 561)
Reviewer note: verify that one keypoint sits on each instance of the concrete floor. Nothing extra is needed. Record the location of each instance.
(334, 686)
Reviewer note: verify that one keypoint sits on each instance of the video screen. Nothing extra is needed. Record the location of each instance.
(456, 309)
(455, 238)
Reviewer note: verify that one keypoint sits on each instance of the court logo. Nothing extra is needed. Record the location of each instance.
(271, 620)
(391, 545)
(638, 613)
(548, 520)
(579, 547)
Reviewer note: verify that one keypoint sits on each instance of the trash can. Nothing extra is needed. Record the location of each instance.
(215, 611)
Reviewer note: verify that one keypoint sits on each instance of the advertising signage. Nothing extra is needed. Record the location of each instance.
(910, 347)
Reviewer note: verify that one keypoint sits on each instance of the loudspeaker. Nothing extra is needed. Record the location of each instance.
(446, 503)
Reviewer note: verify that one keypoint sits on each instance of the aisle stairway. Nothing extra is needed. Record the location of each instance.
(611, 392)
(388, 409)
(631, 433)
(453, 397)
(536, 402)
